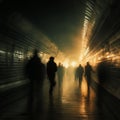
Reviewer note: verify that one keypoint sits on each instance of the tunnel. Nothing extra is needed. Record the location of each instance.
(78, 35)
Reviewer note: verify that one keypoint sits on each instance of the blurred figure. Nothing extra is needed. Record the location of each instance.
(79, 73)
(107, 78)
(105, 72)
(88, 70)
(60, 74)
(51, 70)
(35, 71)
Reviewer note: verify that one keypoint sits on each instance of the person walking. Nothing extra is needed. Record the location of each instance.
(88, 71)
(51, 72)
(35, 72)
(79, 73)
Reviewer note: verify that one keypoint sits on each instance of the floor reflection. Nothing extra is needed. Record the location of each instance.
(84, 88)
(69, 101)
(87, 102)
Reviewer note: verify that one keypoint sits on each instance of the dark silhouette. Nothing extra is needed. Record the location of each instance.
(88, 70)
(106, 71)
(60, 74)
(35, 71)
(51, 70)
(103, 72)
(79, 73)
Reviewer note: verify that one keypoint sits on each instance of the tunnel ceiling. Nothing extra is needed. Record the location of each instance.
(71, 25)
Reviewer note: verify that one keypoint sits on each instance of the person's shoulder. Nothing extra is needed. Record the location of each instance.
(48, 63)
(55, 63)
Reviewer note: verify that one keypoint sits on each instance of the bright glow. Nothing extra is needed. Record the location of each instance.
(41, 54)
(84, 89)
(73, 63)
(19, 54)
(66, 63)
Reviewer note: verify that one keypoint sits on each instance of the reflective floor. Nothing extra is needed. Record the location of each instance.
(70, 101)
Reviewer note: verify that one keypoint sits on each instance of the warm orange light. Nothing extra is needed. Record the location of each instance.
(73, 63)
(84, 89)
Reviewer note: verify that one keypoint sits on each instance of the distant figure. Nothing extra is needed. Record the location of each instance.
(35, 71)
(88, 70)
(51, 71)
(79, 73)
(60, 73)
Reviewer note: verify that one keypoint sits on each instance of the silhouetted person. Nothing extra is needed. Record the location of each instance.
(35, 71)
(51, 71)
(60, 73)
(103, 75)
(79, 73)
(105, 71)
(88, 70)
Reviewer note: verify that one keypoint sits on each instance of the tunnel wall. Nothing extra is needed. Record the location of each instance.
(12, 52)
(18, 38)
(107, 75)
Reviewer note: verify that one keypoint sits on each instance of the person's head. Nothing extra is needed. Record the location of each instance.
(35, 52)
(60, 64)
(87, 63)
(52, 58)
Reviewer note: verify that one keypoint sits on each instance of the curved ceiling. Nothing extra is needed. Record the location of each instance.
(74, 26)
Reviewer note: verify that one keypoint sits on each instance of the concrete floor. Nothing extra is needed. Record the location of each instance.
(68, 102)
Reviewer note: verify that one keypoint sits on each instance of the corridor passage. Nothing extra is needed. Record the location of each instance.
(68, 102)
(73, 34)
